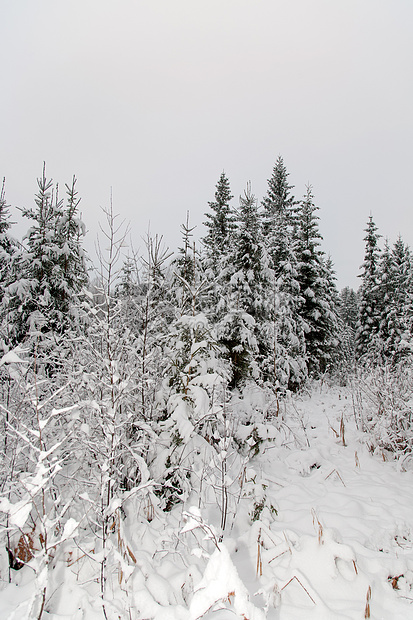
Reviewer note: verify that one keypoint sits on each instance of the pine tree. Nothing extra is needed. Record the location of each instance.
(369, 307)
(317, 289)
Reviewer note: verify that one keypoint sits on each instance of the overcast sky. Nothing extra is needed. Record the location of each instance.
(155, 98)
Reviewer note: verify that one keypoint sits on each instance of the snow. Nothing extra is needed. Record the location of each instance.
(342, 528)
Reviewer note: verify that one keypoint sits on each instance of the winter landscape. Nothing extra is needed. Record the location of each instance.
(211, 432)
(206, 310)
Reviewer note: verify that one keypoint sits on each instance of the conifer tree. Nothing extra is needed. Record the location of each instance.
(286, 353)
(188, 281)
(369, 307)
(217, 245)
(221, 225)
(8, 265)
(51, 269)
(317, 288)
(246, 299)
(7, 246)
(72, 260)
(348, 315)
(279, 200)
(348, 307)
(393, 338)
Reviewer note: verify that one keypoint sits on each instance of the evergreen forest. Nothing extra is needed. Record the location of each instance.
(137, 393)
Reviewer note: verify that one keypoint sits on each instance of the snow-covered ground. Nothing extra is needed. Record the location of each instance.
(333, 539)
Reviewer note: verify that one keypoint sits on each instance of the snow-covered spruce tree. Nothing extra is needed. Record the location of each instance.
(221, 224)
(369, 307)
(8, 265)
(72, 259)
(50, 272)
(246, 300)
(403, 267)
(7, 246)
(189, 284)
(393, 338)
(348, 314)
(279, 200)
(389, 329)
(317, 288)
(348, 307)
(287, 359)
(284, 364)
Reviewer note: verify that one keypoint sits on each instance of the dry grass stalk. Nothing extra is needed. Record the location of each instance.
(305, 589)
(279, 555)
(259, 555)
(338, 475)
(149, 510)
(368, 599)
(342, 437)
(334, 431)
(356, 458)
(320, 527)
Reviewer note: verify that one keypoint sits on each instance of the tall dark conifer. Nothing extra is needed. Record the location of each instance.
(317, 288)
(279, 199)
(51, 268)
(246, 299)
(7, 247)
(221, 224)
(369, 307)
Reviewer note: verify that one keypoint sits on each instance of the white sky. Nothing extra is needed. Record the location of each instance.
(154, 98)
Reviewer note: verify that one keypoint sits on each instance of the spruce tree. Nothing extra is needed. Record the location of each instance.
(51, 269)
(221, 224)
(393, 338)
(8, 266)
(348, 307)
(279, 200)
(246, 300)
(217, 245)
(188, 282)
(70, 232)
(7, 246)
(287, 349)
(317, 288)
(369, 294)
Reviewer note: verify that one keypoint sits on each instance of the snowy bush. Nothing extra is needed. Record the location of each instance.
(383, 407)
